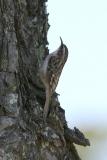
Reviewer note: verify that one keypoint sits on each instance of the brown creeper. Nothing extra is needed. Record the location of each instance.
(50, 72)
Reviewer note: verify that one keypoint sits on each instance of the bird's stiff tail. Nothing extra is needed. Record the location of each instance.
(47, 103)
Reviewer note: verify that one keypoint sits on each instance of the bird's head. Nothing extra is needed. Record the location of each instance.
(62, 51)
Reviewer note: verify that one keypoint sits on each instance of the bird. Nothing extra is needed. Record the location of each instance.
(50, 72)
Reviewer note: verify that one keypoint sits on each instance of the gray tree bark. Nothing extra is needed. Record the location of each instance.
(23, 134)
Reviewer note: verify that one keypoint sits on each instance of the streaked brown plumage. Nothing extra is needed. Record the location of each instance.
(50, 72)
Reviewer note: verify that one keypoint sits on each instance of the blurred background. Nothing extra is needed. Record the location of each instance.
(83, 83)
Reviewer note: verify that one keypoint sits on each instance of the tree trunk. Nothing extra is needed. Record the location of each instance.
(23, 133)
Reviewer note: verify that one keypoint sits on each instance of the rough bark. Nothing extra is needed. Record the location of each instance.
(23, 134)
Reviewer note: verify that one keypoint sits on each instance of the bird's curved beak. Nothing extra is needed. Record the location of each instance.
(61, 46)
